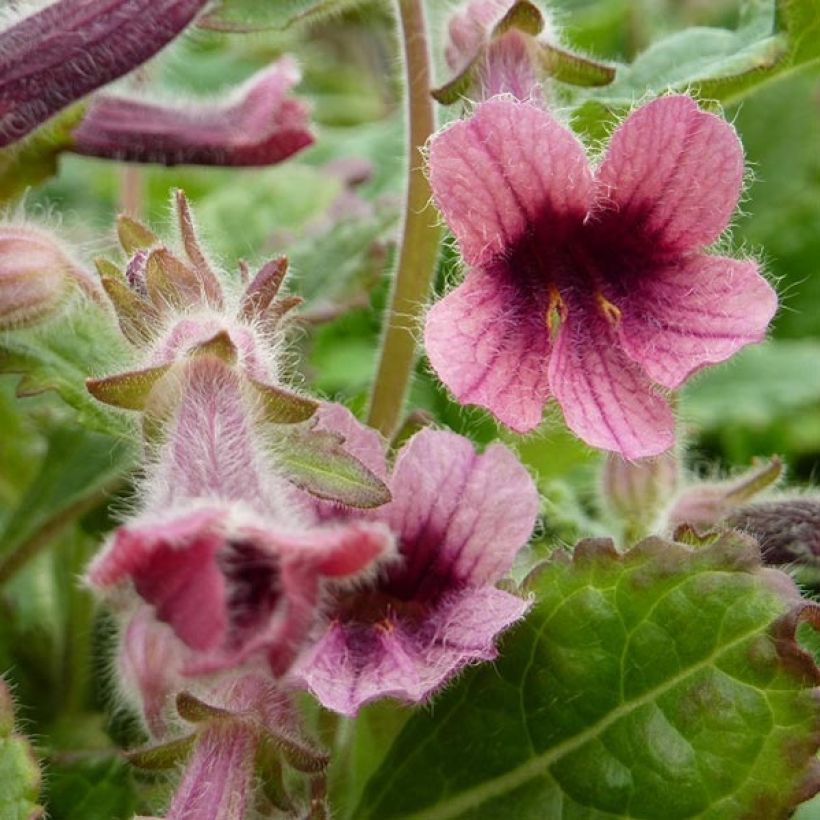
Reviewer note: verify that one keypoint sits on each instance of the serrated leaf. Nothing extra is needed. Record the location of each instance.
(251, 15)
(317, 462)
(19, 772)
(664, 682)
(60, 355)
(79, 469)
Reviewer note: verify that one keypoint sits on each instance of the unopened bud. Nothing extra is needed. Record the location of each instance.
(36, 275)
(788, 530)
(703, 506)
(636, 491)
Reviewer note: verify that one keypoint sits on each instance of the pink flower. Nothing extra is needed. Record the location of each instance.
(218, 551)
(508, 47)
(459, 519)
(59, 54)
(591, 287)
(262, 125)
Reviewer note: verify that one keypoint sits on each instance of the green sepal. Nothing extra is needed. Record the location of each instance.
(129, 391)
(137, 317)
(572, 68)
(280, 406)
(317, 462)
(522, 16)
(164, 756)
(134, 236)
(169, 281)
(220, 346)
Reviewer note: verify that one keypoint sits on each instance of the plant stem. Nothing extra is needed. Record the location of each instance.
(420, 235)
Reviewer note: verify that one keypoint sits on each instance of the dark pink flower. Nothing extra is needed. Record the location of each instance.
(459, 519)
(259, 125)
(63, 52)
(590, 287)
(218, 551)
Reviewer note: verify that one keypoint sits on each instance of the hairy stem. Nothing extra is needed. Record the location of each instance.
(420, 235)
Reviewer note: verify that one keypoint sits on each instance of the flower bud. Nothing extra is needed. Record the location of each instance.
(636, 491)
(787, 529)
(36, 275)
(703, 506)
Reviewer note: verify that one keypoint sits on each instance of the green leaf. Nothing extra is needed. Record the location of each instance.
(60, 354)
(664, 682)
(79, 470)
(253, 15)
(759, 385)
(316, 461)
(94, 790)
(776, 37)
(34, 159)
(19, 772)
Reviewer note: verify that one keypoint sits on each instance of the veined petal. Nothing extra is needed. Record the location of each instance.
(694, 313)
(672, 175)
(58, 55)
(606, 399)
(354, 663)
(460, 517)
(509, 168)
(491, 348)
(262, 127)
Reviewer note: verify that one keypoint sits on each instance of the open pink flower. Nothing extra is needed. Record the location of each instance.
(217, 551)
(459, 519)
(616, 254)
(260, 125)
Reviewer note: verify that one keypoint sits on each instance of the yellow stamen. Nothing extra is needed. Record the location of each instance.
(611, 313)
(554, 306)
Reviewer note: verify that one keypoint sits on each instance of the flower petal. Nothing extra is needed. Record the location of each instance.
(509, 166)
(696, 313)
(67, 49)
(262, 127)
(672, 175)
(353, 664)
(460, 517)
(491, 349)
(606, 399)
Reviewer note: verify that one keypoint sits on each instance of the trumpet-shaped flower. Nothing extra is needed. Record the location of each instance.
(260, 125)
(458, 518)
(217, 551)
(59, 54)
(591, 287)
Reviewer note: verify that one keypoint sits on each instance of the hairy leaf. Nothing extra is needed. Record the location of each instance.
(79, 468)
(19, 772)
(60, 355)
(251, 15)
(664, 682)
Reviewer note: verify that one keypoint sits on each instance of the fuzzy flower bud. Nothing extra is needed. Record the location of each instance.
(36, 275)
(56, 56)
(636, 491)
(703, 506)
(787, 529)
(259, 125)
